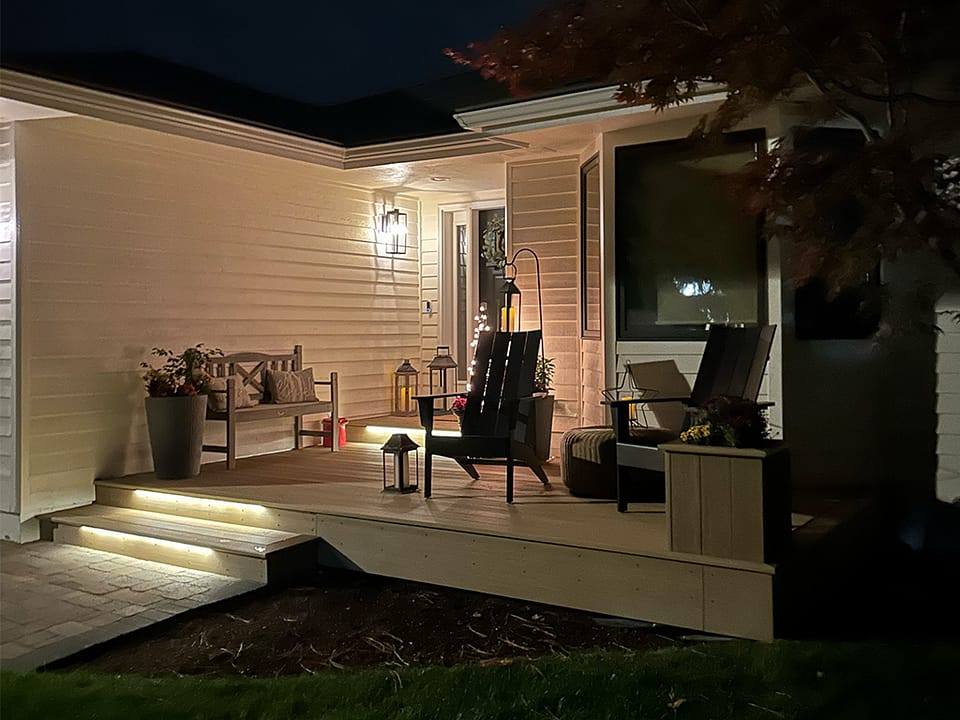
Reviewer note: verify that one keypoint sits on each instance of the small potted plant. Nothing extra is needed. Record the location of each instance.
(459, 407)
(176, 406)
(540, 426)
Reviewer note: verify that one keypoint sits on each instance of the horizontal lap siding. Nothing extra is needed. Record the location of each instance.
(948, 402)
(9, 493)
(543, 209)
(134, 239)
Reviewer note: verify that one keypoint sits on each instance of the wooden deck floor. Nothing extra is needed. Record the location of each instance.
(546, 546)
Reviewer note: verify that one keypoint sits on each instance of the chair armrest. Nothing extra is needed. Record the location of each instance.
(418, 398)
(643, 400)
(426, 409)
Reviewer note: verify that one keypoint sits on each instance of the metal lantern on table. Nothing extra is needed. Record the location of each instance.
(397, 473)
(406, 384)
(509, 306)
(439, 367)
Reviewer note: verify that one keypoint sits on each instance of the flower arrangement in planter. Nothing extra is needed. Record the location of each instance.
(459, 407)
(182, 375)
(176, 407)
(728, 422)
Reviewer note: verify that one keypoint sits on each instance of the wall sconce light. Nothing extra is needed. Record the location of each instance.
(392, 232)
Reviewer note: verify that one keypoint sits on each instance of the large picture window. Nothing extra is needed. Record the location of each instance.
(687, 253)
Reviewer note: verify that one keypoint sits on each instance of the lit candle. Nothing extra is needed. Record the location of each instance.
(507, 317)
(401, 470)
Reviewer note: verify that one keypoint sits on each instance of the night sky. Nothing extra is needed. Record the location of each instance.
(309, 50)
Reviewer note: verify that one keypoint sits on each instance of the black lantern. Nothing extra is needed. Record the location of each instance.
(438, 378)
(398, 477)
(406, 384)
(509, 306)
(510, 294)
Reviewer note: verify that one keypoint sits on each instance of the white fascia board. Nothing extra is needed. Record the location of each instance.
(426, 149)
(140, 113)
(564, 109)
(78, 100)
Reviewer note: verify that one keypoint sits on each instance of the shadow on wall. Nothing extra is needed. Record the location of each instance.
(122, 447)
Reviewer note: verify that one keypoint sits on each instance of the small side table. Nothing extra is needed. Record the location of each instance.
(728, 502)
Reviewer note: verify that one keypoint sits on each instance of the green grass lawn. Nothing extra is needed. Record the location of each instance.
(739, 680)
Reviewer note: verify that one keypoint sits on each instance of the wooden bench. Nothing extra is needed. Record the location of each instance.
(250, 368)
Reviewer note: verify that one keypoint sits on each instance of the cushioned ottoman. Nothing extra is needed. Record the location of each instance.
(588, 465)
(588, 462)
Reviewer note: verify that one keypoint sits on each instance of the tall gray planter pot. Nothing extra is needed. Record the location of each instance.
(175, 425)
(539, 429)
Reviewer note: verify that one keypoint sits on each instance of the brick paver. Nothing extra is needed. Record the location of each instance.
(56, 600)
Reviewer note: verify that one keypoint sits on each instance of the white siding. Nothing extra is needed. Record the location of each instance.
(948, 401)
(132, 239)
(543, 206)
(9, 490)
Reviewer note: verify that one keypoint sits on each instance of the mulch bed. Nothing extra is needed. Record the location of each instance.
(348, 620)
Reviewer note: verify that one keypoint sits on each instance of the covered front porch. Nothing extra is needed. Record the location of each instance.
(548, 546)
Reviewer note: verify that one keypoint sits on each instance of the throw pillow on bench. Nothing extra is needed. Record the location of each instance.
(218, 396)
(291, 387)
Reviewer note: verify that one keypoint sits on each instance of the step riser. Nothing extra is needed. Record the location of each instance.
(374, 435)
(186, 506)
(145, 548)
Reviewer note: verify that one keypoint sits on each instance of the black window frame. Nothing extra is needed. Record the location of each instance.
(688, 331)
(586, 333)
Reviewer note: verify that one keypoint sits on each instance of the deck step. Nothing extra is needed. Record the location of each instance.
(240, 551)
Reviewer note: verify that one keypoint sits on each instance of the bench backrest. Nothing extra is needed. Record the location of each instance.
(251, 368)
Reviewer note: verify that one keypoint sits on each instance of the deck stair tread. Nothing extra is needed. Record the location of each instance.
(223, 537)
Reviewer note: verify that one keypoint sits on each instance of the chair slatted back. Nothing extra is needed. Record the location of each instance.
(733, 362)
(503, 373)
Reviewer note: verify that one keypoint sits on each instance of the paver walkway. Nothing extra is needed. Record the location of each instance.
(56, 600)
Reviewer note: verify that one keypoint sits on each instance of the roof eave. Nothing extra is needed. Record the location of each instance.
(564, 109)
(103, 105)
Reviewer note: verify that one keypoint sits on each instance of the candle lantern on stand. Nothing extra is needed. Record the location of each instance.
(439, 383)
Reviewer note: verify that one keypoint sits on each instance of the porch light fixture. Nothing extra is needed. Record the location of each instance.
(392, 232)
(406, 385)
(510, 295)
(398, 477)
(438, 371)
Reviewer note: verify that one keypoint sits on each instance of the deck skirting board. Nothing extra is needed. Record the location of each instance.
(722, 600)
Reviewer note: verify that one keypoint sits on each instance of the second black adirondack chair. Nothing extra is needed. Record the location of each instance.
(732, 365)
(493, 427)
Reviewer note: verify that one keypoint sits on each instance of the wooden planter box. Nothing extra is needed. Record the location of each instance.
(728, 502)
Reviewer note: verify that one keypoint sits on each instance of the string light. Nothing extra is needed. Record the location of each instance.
(480, 326)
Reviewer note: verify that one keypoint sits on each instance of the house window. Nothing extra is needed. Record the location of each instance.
(687, 252)
(590, 249)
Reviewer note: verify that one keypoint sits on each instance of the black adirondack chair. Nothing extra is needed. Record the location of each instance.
(493, 427)
(733, 364)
